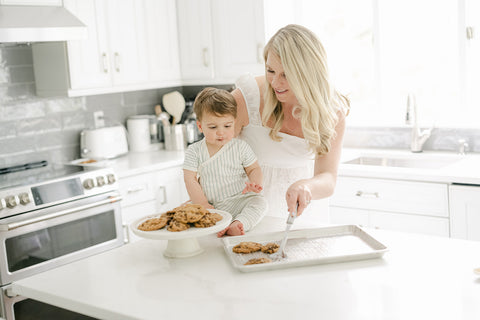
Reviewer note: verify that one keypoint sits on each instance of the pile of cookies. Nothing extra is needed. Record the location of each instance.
(182, 218)
(250, 247)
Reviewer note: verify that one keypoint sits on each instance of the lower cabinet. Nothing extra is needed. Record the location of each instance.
(465, 212)
(151, 193)
(416, 207)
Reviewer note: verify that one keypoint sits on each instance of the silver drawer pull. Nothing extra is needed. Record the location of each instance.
(134, 190)
(367, 194)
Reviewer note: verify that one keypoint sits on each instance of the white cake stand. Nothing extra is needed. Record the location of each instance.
(182, 244)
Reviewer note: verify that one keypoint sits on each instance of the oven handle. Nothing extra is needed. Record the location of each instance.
(19, 224)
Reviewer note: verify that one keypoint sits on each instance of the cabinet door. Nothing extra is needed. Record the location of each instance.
(128, 41)
(169, 188)
(410, 223)
(88, 60)
(239, 37)
(465, 212)
(161, 24)
(340, 215)
(195, 39)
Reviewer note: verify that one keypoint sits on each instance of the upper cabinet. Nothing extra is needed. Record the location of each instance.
(131, 45)
(220, 39)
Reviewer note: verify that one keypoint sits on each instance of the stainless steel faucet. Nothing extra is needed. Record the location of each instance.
(418, 136)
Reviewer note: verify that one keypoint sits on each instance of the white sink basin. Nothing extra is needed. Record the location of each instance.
(427, 162)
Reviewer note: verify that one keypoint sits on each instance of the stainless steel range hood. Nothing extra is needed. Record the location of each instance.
(39, 24)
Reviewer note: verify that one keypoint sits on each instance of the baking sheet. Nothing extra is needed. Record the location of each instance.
(309, 247)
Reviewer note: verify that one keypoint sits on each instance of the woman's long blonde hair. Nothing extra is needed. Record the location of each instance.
(305, 65)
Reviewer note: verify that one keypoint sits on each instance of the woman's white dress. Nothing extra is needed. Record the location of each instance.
(282, 162)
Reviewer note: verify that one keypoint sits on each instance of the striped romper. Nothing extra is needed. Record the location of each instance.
(222, 178)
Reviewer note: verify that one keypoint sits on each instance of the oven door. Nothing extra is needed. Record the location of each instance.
(35, 242)
(16, 307)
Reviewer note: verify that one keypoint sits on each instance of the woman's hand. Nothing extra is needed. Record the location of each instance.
(234, 229)
(300, 193)
(252, 187)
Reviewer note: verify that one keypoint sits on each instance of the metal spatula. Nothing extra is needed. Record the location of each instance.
(281, 253)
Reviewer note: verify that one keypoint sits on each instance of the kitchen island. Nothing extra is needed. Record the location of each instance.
(420, 277)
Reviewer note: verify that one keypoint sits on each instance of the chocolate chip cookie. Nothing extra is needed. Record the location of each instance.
(270, 248)
(247, 247)
(257, 261)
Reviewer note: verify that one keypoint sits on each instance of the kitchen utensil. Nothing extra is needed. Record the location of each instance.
(174, 104)
(158, 110)
(103, 143)
(309, 247)
(281, 253)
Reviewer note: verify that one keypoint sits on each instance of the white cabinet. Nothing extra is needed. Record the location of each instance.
(151, 193)
(417, 207)
(220, 39)
(465, 212)
(131, 45)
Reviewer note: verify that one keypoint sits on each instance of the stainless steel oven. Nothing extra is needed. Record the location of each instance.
(48, 224)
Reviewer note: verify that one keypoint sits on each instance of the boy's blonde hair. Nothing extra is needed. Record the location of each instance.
(305, 65)
(215, 101)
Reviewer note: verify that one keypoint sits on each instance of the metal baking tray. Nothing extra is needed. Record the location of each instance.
(309, 247)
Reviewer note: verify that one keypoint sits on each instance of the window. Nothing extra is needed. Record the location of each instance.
(379, 51)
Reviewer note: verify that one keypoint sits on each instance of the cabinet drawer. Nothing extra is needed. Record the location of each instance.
(392, 195)
(410, 223)
(136, 189)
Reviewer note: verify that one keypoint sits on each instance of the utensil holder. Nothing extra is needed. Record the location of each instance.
(174, 137)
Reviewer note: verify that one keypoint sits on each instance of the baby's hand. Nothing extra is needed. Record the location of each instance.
(234, 229)
(252, 187)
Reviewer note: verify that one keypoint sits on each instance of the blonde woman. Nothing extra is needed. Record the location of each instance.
(294, 120)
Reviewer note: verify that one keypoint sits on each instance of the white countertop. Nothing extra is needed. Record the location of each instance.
(134, 163)
(421, 277)
(464, 170)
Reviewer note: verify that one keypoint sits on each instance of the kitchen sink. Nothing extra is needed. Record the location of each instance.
(428, 162)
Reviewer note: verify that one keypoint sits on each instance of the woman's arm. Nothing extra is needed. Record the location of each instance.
(194, 189)
(242, 112)
(322, 184)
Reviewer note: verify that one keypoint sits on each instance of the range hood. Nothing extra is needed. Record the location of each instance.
(39, 24)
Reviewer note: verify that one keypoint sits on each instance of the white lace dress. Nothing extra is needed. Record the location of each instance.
(283, 162)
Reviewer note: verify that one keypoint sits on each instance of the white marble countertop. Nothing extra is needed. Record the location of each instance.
(421, 277)
(134, 163)
(464, 169)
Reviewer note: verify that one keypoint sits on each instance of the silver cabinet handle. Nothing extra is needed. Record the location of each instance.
(134, 190)
(117, 61)
(126, 233)
(164, 191)
(259, 53)
(105, 62)
(206, 61)
(367, 194)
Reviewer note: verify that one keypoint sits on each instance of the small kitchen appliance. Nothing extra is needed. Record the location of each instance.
(103, 143)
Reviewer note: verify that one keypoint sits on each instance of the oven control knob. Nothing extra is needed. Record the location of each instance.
(100, 181)
(88, 184)
(11, 201)
(111, 178)
(24, 198)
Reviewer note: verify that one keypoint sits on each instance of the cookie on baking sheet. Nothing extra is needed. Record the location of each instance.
(257, 261)
(205, 222)
(176, 226)
(247, 247)
(153, 224)
(269, 248)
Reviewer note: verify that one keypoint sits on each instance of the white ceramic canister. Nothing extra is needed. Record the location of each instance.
(138, 128)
